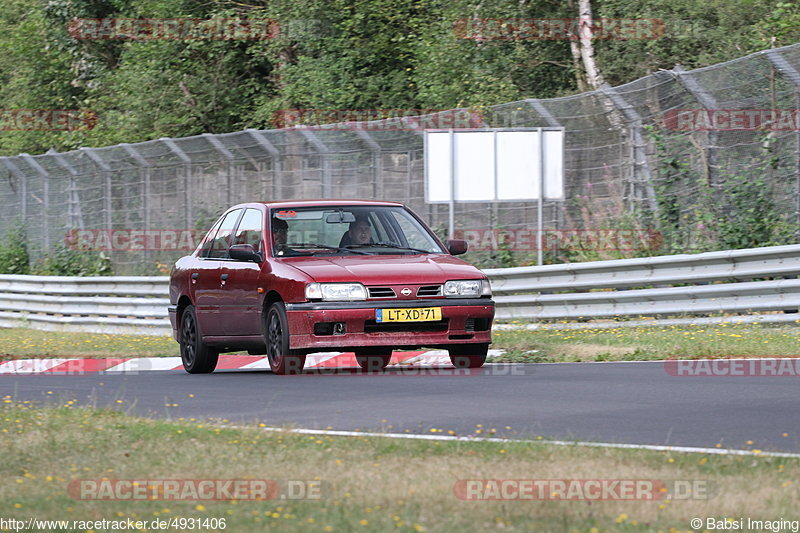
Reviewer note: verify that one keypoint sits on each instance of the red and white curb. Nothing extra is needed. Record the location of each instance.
(226, 362)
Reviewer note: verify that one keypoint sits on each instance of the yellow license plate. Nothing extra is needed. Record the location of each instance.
(414, 314)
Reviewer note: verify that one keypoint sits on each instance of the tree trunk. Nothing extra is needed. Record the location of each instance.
(575, 48)
(593, 75)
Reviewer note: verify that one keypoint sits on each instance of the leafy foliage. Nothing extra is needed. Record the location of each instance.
(333, 54)
(64, 261)
(738, 212)
(382, 54)
(14, 253)
(68, 262)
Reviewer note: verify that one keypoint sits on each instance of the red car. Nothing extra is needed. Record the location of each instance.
(290, 278)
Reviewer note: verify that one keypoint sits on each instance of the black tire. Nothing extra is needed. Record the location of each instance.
(197, 357)
(373, 359)
(468, 355)
(281, 359)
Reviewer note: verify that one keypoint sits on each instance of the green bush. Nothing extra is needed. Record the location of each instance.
(14, 252)
(68, 262)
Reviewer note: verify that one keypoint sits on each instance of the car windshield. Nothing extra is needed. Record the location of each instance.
(349, 230)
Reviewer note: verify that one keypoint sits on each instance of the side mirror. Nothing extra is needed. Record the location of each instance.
(244, 252)
(456, 246)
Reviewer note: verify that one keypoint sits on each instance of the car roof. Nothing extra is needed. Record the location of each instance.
(322, 203)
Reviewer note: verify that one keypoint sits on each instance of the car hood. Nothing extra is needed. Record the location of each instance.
(386, 270)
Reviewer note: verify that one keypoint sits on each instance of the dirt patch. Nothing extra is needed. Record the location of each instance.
(589, 352)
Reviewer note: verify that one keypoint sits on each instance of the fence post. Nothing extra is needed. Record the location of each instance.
(107, 180)
(377, 161)
(790, 73)
(145, 189)
(23, 186)
(274, 153)
(187, 168)
(74, 213)
(712, 137)
(641, 167)
(544, 113)
(228, 155)
(325, 180)
(45, 201)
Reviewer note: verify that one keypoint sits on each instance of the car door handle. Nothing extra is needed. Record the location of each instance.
(224, 277)
(195, 275)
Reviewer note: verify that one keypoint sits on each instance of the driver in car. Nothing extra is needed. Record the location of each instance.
(280, 231)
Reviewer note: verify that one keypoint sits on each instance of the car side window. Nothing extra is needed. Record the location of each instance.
(250, 229)
(219, 246)
(209, 238)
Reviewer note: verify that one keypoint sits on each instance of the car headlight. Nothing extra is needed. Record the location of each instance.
(336, 292)
(467, 288)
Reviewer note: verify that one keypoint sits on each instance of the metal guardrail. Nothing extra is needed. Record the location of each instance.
(699, 284)
(711, 282)
(738, 265)
(102, 304)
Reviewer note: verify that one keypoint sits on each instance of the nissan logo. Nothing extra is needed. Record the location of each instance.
(406, 291)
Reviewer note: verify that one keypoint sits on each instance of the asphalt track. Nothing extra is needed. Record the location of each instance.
(633, 403)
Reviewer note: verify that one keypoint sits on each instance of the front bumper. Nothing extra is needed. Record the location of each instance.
(464, 321)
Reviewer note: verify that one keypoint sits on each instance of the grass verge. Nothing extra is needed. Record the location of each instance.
(368, 484)
(16, 343)
(543, 345)
(648, 343)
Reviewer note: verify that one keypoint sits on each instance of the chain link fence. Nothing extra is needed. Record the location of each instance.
(651, 167)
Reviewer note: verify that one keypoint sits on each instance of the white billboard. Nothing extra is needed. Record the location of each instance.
(494, 165)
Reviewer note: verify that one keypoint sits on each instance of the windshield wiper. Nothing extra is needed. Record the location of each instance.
(324, 247)
(388, 245)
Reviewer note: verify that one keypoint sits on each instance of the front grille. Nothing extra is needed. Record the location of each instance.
(381, 292)
(429, 290)
(370, 326)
